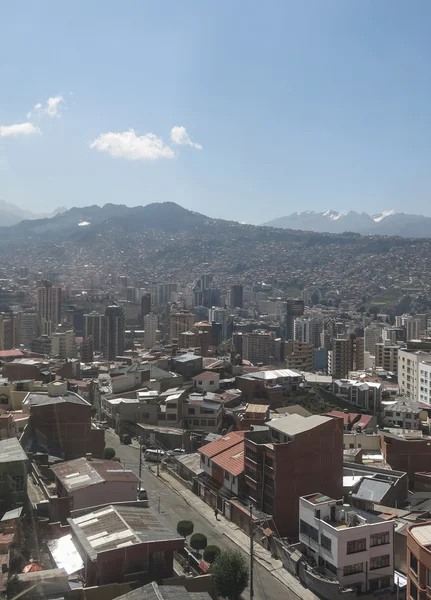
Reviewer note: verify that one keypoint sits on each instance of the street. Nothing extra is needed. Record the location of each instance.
(174, 508)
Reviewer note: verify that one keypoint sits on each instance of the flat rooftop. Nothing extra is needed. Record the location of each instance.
(11, 451)
(422, 534)
(43, 398)
(295, 424)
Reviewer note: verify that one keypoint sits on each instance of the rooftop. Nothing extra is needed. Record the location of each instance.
(278, 374)
(152, 591)
(80, 473)
(354, 419)
(10, 354)
(118, 526)
(227, 441)
(422, 534)
(43, 398)
(256, 409)
(186, 358)
(232, 459)
(295, 424)
(11, 451)
(206, 376)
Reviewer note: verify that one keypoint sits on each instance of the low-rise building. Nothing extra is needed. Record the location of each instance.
(13, 474)
(403, 413)
(406, 450)
(367, 485)
(352, 546)
(208, 381)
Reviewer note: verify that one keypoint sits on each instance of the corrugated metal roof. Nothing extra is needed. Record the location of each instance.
(11, 451)
(232, 459)
(279, 373)
(373, 490)
(79, 473)
(295, 424)
(214, 448)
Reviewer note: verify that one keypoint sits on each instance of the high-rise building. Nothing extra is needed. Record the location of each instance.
(342, 358)
(94, 326)
(413, 326)
(386, 356)
(28, 327)
(87, 352)
(261, 347)
(161, 293)
(180, 321)
(145, 305)
(219, 315)
(49, 303)
(63, 344)
(114, 332)
(294, 309)
(299, 356)
(408, 371)
(237, 296)
(304, 296)
(151, 325)
(372, 336)
(302, 329)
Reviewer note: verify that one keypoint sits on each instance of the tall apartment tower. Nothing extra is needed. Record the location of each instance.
(219, 315)
(49, 303)
(180, 322)
(151, 325)
(63, 344)
(28, 327)
(114, 332)
(237, 296)
(94, 326)
(294, 309)
(145, 305)
(372, 336)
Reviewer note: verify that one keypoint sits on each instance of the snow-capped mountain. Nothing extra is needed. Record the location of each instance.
(388, 222)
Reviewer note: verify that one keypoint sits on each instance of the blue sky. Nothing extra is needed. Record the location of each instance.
(256, 109)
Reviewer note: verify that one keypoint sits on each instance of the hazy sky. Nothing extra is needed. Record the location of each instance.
(237, 109)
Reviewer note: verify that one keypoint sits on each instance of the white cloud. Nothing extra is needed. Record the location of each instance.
(180, 137)
(52, 108)
(18, 129)
(130, 146)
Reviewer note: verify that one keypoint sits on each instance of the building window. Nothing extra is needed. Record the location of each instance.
(211, 422)
(17, 483)
(268, 502)
(203, 422)
(325, 542)
(413, 563)
(191, 411)
(413, 591)
(330, 567)
(227, 475)
(2, 477)
(380, 583)
(268, 461)
(158, 558)
(351, 569)
(135, 566)
(308, 530)
(211, 382)
(356, 546)
(378, 562)
(251, 454)
(379, 539)
(250, 473)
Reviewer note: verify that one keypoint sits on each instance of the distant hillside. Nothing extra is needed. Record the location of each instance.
(330, 221)
(11, 214)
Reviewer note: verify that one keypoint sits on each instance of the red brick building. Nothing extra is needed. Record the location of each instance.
(60, 424)
(294, 457)
(120, 543)
(409, 452)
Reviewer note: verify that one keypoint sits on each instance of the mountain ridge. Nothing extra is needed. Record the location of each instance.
(388, 223)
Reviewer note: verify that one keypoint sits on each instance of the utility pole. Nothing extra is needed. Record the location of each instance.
(251, 553)
(158, 467)
(140, 460)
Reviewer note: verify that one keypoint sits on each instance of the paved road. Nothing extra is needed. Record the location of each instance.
(174, 508)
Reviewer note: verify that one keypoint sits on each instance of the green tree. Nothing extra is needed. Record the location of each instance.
(198, 541)
(230, 574)
(109, 453)
(185, 528)
(211, 553)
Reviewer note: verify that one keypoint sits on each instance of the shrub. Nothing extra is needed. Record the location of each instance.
(198, 541)
(109, 453)
(230, 574)
(211, 553)
(185, 528)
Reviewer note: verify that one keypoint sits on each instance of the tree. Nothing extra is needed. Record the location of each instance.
(198, 541)
(211, 553)
(230, 574)
(108, 453)
(185, 528)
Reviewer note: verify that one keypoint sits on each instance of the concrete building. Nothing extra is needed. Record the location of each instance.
(407, 451)
(219, 315)
(118, 543)
(94, 326)
(413, 326)
(179, 322)
(386, 356)
(145, 305)
(63, 344)
(302, 329)
(92, 482)
(262, 347)
(207, 381)
(424, 386)
(223, 462)
(408, 371)
(49, 303)
(353, 546)
(291, 458)
(114, 332)
(13, 474)
(27, 327)
(237, 296)
(419, 561)
(151, 326)
(372, 336)
(294, 309)
(347, 354)
(299, 356)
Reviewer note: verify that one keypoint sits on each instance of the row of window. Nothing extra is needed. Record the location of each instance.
(197, 422)
(377, 562)
(353, 546)
(16, 482)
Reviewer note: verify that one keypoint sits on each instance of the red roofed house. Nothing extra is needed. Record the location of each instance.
(223, 464)
(355, 421)
(208, 381)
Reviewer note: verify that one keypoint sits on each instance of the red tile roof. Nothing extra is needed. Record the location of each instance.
(205, 376)
(10, 354)
(363, 421)
(227, 441)
(232, 459)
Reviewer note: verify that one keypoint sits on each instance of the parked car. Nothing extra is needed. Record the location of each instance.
(125, 438)
(142, 494)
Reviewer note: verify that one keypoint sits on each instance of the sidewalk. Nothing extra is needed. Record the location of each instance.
(230, 530)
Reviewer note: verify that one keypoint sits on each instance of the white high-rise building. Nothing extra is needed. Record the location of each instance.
(408, 372)
(219, 315)
(63, 344)
(372, 336)
(151, 325)
(302, 329)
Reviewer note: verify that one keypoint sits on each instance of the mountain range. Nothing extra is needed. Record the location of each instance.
(10, 214)
(385, 223)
